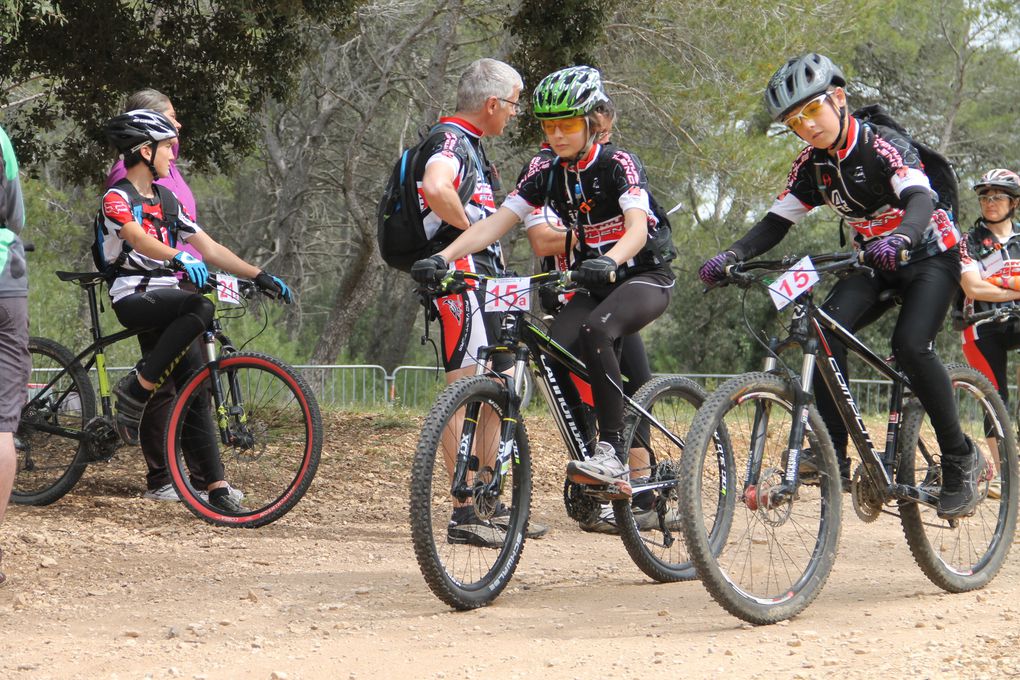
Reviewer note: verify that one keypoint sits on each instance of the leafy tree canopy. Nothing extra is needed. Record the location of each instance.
(66, 66)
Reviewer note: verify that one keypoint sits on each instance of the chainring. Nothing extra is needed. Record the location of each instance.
(581, 507)
(867, 504)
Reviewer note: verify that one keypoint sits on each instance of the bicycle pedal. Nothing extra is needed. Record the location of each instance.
(617, 491)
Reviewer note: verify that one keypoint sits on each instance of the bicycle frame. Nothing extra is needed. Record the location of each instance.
(97, 357)
(524, 340)
(807, 331)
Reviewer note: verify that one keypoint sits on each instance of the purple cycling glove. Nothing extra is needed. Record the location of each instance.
(714, 269)
(884, 253)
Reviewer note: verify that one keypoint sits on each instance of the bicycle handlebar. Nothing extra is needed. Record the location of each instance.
(745, 274)
(450, 280)
(998, 314)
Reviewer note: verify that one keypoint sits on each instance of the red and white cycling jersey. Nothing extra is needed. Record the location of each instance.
(117, 212)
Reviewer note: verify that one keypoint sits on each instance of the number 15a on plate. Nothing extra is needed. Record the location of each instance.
(796, 281)
(504, 295)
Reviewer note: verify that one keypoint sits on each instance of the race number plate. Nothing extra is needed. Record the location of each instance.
(795, 282)
(227, 290)
(504, 295)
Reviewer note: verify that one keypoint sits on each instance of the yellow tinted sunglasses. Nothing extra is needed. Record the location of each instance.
(810, 111)
(567, 126)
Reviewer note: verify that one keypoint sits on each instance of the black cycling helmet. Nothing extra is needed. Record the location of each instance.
(130, 131)
(1000, 178)
(800, 79)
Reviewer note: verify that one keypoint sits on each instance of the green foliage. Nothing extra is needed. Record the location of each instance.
(69, 65)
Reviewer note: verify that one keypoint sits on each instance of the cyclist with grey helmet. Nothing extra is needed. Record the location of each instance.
(871, 176)
(990, 262)
(621, 252)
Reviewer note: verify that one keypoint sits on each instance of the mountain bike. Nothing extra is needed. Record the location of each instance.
(785, 528)
(267, 419)
(474, 449)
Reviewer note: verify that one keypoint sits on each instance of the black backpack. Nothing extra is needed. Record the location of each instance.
(400, 230)
(936, 166)
(171, 210)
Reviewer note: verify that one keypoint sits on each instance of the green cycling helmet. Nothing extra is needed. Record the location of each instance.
(568, 93)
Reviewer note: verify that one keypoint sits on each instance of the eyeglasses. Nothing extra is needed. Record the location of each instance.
(993, 198)
(516, 105)
(810, 111)
(567, 126)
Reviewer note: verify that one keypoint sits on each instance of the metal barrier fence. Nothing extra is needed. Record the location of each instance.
(348, 385)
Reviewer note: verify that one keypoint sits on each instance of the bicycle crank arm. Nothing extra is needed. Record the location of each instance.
(902, 492)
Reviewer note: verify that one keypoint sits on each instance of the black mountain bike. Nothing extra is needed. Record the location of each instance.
(474, 449)
(267, 419)
(787, 503)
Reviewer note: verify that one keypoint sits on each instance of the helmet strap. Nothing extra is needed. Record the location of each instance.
(151, 163)
(592, 138)
(843, 127)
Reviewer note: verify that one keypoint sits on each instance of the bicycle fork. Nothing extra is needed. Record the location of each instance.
(489, 481)
(228, 411)
(756, 494)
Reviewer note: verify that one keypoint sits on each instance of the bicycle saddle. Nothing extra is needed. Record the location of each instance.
(82, 278)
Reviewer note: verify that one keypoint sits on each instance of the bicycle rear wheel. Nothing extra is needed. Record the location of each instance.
(275, 438)
(468, 566)
(966, 553)
(777, 553)
(49, 464)
(650, 526)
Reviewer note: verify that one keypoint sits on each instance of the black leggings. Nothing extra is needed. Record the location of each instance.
(926, 289)
(163, 354)
(177, 318)
(591, 324)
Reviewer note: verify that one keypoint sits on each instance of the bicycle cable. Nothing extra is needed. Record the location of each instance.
(760, 338)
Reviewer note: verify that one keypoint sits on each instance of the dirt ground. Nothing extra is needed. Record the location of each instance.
(106, 585)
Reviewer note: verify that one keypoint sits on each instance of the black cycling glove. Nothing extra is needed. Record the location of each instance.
(429, 270)
(597, 272)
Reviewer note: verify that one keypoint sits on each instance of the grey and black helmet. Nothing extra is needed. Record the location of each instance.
(798, 80)
(130, 131)
(1000, 178)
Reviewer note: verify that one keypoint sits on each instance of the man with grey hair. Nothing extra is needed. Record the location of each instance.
(487, 98)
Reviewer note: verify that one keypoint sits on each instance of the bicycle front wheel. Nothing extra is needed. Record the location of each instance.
(267, 434)
(650, 525)
(50, 460)
(468, 549)
(961, 554)
(778, 551)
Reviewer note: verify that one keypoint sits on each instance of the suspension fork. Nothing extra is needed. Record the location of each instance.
(760, 427)
(223, 409)
(507, 452)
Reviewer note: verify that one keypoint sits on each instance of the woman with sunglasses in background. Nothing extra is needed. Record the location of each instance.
(872, 176)
(990, 261)
(621, 249)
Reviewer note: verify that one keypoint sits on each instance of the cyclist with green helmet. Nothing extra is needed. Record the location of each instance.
(622, 248)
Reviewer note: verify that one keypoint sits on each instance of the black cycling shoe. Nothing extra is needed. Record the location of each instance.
(959, 496)
(129, 409)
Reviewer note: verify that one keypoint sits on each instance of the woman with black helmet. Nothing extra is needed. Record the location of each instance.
(139, 235)
(872, 176)
(990, 262)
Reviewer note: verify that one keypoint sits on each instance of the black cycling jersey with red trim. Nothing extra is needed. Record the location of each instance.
(863, 182)
(591, 197)
(875, 181)
(984, 252)
(448, 148)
